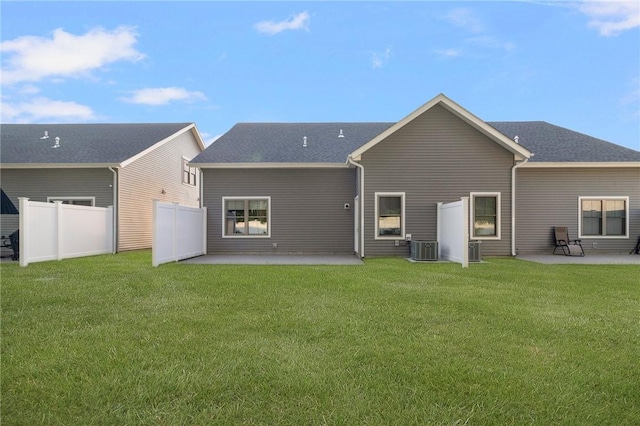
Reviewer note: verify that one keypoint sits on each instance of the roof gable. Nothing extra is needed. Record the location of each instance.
(519, 151)
(84, 144)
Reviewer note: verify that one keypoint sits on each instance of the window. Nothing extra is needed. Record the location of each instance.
(188, 173)
(78, 201)
(485, 215)
(603, 217)
(246, 217)
(390, 215)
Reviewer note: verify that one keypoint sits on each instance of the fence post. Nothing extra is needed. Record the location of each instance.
(59, 230)
(23, 230)
(203, 211)
(439, 228)
(465, 232)
(154, 234)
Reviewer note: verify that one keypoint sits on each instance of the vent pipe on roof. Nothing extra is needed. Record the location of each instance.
(46, 135)
(341, 135)
(57, 145)
(516, 138)
(304, 141)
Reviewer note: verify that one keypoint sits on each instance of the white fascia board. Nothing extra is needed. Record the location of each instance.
(158, 145)
(568, 165)
(197, 135)
(60, 165)
(269, 165)
(519, 151)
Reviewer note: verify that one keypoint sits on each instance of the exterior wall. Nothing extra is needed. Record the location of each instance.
(435, 158)
(38, 184)
(307, 209)
(143, 180)
(548, 197)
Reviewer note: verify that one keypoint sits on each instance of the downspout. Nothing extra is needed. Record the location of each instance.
(115, 210)
(513, 204)
(361, 167)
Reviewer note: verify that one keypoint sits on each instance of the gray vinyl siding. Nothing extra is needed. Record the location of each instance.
(143, 181)
(307, 209)
(548, 197)
(435, 158)
(38, 184)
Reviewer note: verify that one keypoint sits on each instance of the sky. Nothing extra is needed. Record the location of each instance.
(574, 64)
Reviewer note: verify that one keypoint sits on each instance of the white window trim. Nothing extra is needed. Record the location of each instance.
(472, 215)
(92, 199)
(601, 198)
(224, 217)
(403, 217)
(184, 163)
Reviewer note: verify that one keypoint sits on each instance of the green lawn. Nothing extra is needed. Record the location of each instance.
(111, 340)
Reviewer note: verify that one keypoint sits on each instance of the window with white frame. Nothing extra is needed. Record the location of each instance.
(485, 215)
(389, 209)
(78, 201)
(189, 173)
(246, 216)
(603, 217)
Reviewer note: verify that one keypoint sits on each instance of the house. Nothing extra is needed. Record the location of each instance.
(369, 187)
(122, 165)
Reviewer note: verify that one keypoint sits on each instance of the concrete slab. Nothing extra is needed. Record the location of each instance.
(281, 259)
(589, 259)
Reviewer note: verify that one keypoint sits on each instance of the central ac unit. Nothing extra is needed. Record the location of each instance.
(424, 250)
(475, 252)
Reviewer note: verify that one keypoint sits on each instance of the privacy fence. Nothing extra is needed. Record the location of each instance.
(179, 232)
(55, 231)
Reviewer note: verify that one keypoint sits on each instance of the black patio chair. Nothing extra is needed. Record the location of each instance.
(636, 249)
(14, 238)
(562, 241)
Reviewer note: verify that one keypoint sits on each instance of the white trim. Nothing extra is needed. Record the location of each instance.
(604, 198)
(185, 162)
(159, 144)
(472, 215)
(568, 164)
(519, 151)
(270, 165)
(61, 198)
(224, 216)
(403, 215)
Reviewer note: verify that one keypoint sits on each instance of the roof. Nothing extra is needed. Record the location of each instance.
(554, 144)
(81, 144)
(283, 143)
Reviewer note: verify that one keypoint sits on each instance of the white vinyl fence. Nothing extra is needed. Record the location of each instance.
(453, 231)
(179, 232)
(55, 231)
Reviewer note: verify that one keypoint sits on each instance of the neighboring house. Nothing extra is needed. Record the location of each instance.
(122, 165)
(367, 187)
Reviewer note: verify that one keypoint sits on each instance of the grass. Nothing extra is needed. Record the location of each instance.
(111, 340)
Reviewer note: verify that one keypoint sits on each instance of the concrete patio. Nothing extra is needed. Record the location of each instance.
(265, 259)
(589, 259)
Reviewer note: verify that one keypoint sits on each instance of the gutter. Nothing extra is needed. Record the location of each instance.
(513, 204)
(115, 210)
(361, 167)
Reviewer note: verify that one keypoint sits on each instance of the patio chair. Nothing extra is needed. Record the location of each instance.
(14, 238)
(562, 241)
(636, 249)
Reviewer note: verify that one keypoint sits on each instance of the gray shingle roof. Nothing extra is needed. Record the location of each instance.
(283, 142)
(551, 143)
(80, 143)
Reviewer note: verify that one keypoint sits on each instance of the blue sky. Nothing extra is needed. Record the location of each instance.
(574, 64)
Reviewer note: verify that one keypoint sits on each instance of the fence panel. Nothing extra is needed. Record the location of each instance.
(453, 231)
(179, 232)
(55, 231)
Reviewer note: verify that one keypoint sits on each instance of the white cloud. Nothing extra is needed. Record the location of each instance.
(612, 17)
(31, 58)
(40, 109)
(299, 21)
(380, 59)
(449, 53)
(163, 96)
(465, 18)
